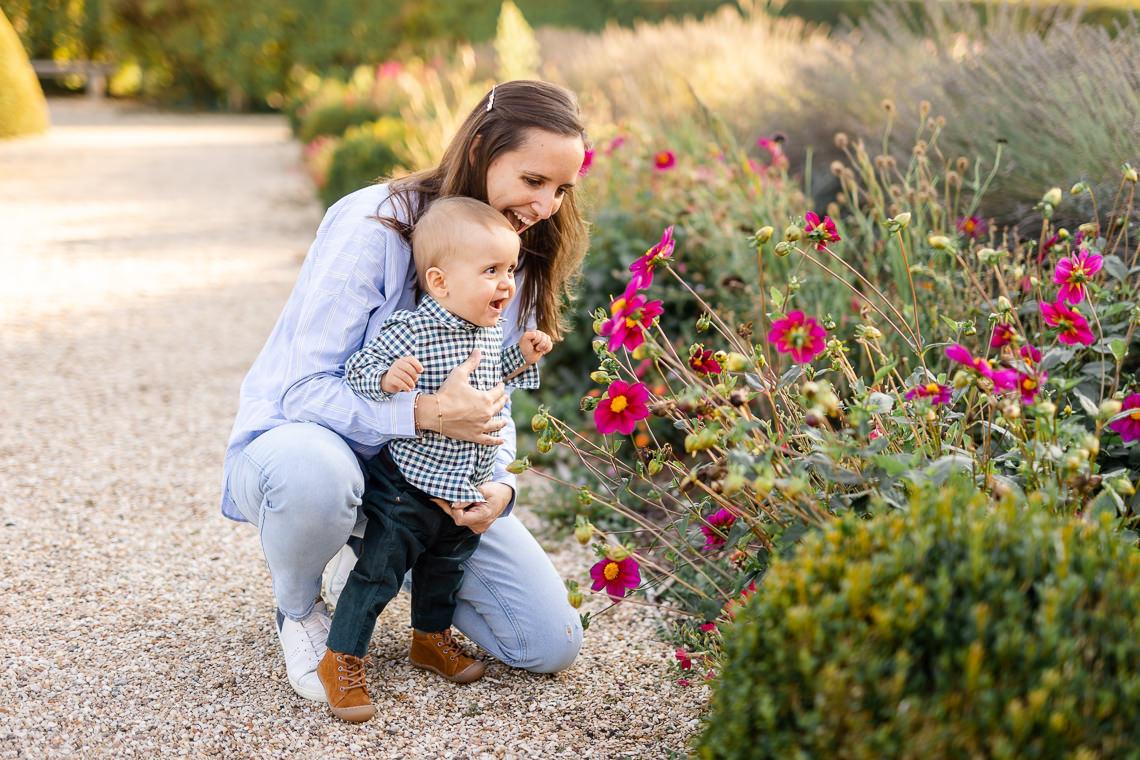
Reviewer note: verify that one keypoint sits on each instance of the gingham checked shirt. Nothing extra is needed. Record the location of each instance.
(440, 466)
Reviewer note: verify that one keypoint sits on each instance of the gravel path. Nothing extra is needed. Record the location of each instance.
(143, 260)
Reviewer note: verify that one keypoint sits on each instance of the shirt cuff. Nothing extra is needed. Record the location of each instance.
(403, 411)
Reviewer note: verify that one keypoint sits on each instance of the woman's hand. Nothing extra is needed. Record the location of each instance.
(464, 413)
(481, 515)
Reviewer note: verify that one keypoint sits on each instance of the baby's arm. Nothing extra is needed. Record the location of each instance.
(386, 364)
(520, 359)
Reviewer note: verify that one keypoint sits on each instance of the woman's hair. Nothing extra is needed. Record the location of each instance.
(552, 250)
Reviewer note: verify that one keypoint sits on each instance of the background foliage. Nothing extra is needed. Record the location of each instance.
(22, 107)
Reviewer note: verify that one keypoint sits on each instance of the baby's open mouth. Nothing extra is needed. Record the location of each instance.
(498, 304)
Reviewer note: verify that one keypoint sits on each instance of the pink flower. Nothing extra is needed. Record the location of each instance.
(1074, 328)
(1030, 354)
(703, 362)
(1072, 272)
(683, 659)
(1046, 247)
(722, 519)
(614, 144)
(642, 269)
(1003, 379)
(1003, 335)
(615, 576)
(775, 149)
(799, 335)
(587, 162)
(1129, 427)
(631, 316)
(622, 408)
(821, 232)
(972, 227)
(938, 394)
(1029, 384)
(389, 70)
(707, 627)
(664, 160)
(684, 682)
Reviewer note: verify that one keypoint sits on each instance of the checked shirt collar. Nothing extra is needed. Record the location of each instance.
(431, 308)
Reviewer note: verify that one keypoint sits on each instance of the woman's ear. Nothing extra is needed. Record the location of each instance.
(471, 150)
(435, 282)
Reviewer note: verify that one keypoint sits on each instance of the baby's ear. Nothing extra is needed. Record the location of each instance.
(435, 283)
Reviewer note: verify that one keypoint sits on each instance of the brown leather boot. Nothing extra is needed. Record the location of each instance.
(342, 675)
(441, 654)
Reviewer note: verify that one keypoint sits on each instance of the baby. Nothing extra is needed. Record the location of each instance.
(465, 255)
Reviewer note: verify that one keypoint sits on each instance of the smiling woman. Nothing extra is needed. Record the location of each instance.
(293, 464)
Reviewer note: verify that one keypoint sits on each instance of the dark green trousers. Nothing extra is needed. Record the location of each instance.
(406, 530)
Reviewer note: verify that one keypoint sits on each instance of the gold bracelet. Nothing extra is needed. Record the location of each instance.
(439, 414)
(415, 413)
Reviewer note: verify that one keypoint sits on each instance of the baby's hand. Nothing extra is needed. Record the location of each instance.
(535, 344)
(402, 375)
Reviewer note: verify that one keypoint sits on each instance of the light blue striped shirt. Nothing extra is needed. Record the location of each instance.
(357, 274)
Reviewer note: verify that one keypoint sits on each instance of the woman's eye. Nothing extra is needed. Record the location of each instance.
(533, 182)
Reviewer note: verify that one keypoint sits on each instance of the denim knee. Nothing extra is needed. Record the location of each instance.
(558, 647)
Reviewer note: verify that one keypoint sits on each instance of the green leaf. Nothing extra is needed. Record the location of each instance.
(777, 298)
(1091, 409)
(1115, 267)
(1107, 502)
(1118, 347)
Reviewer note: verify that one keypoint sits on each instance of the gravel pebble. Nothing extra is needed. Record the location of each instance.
(144, 258)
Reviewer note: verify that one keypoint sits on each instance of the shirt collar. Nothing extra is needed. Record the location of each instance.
(434, 310)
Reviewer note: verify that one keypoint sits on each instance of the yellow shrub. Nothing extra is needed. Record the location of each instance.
(23, 110)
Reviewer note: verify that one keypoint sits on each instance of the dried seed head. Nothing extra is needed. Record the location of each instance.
(953, 179)
(962, 164)
(836, 168)
(924, 109)
(841, 140)
(888, 105)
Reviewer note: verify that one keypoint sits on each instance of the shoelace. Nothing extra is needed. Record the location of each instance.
(353, 669)
(316, 628)
(449, 645)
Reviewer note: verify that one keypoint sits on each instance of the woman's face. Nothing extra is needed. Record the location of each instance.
(528, 184)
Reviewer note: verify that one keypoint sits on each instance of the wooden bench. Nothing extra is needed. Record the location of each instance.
(94, 74)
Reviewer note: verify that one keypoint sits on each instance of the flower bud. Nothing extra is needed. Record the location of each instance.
(1003, 304)
(736, 362)
(583, 531)
(763, 485)
(1091, 444)
(1130, 174)
(809, 389)
(830, 403)
(782, 248)
(1046, 409)
(814, 417)
(939, 242)
(616, 552)
(601, 377)
(1064, 234)
(543, 445)
(733, 482)
(793, 233)
(1078, 188)
(575, 598)
(1123, 486)
(538, 423)
(1110, 407)
(764, 234)
(598, 324)
(902, 220)
(518, 466)
(721, 357)
(1011, 411)
(654, 466)
(1052, 197)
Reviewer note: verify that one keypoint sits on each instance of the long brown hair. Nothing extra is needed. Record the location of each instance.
(552, 250)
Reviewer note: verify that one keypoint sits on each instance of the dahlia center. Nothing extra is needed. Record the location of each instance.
(611, 570)
(617, 306)
(932, 388)
(1135, 416)
(798, 336)
(618, 404)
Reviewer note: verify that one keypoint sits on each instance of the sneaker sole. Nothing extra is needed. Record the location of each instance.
(472, 673)
(313, 695)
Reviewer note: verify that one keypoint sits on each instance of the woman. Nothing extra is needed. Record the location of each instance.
(292, 467)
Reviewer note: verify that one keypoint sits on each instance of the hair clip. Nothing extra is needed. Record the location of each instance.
(491, 100)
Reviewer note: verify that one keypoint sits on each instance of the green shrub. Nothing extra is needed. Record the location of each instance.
(959, 628)
(22, 107)
(367, 152)
(334, 119)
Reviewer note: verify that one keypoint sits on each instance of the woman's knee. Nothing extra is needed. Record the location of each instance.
(556, 648)
(310, 477)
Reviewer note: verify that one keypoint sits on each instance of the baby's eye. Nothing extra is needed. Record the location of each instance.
(489, 270)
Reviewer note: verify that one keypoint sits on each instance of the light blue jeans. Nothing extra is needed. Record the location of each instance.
(301, 485)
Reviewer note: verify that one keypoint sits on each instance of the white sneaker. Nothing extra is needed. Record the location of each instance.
(337, 571)
(303, 642)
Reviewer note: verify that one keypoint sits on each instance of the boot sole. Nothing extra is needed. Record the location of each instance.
(472, 673)
(354, 714)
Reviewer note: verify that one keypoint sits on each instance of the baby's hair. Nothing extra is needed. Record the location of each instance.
(439, 234)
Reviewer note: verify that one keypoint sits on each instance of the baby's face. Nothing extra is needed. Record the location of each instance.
(480, 280)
